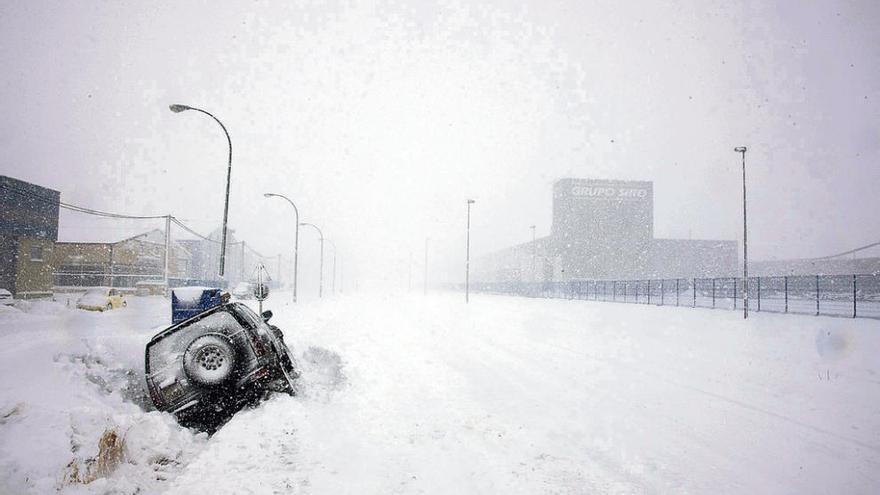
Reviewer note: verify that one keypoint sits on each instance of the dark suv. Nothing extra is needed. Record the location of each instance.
(205, 368)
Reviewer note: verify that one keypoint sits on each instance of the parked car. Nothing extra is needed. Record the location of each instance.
(207, 367)
(101, 299)
(6, 298)
(243, 291)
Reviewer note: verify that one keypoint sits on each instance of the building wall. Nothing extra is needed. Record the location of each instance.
(28, 219)
(602, 229)
(836, 266)
(527, 262)
(8, 261)
(33, 277)
(685, 258)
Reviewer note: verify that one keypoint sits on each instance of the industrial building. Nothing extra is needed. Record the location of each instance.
(28, 231)
(604, 230)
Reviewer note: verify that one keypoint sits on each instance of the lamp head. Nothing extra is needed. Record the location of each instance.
(470, 201)
(176, 108)
(268, 195)
(740, 149)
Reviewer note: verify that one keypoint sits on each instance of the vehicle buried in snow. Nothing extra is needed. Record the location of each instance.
(101, 299)
(215, 358)
(243, 291)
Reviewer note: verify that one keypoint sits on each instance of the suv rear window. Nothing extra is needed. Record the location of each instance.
(171, 348)
(248, 315)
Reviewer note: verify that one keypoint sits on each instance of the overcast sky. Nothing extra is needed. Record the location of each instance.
(380, 119)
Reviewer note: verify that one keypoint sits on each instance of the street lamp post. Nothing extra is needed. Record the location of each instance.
(321, 266)
(742, 149)
(295, 238)
(176, 108)
(467, 263)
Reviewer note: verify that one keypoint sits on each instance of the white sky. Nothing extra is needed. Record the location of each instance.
(380, 119)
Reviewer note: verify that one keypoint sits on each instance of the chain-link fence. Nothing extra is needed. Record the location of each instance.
(853, 296)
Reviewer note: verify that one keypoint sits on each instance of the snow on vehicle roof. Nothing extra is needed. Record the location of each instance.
(190, 294)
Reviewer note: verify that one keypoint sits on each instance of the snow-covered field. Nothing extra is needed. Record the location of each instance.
(405, 394)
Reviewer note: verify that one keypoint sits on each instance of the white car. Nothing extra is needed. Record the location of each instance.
(6, 298)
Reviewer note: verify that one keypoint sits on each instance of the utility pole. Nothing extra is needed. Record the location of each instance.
(167, 248)
(241, 268)
(467, 263)
(742, 149)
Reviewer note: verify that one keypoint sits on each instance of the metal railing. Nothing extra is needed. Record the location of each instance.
(852, 296)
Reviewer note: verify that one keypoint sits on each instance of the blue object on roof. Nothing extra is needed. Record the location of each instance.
(187, 302)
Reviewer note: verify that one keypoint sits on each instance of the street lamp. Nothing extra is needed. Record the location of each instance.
(176, 108)
(742, 149)
(334, 264)
(321, 267)
(295, 238)
(467, 263)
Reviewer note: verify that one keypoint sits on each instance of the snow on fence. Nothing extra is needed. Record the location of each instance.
(853, 296)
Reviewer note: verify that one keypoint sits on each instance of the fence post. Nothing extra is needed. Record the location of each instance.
(662, 291)
(649, 292)
(786, 293)
(734, 293)
(854, 296)
(817, 295)
(614, 290)
(695, 292)
(676, 292)
(759, 294)
(713, 293)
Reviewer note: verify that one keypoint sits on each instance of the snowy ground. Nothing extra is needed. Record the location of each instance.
(408, 394)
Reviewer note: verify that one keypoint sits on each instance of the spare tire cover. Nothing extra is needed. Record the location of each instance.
(209, 360)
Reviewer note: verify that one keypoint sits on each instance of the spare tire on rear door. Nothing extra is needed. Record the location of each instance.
(209, 360)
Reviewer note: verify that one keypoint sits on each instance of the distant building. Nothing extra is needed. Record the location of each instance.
(604, 230)
(28, 231)
(118, 263)
(835, 266)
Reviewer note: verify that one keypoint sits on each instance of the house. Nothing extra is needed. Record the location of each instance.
(118, 262)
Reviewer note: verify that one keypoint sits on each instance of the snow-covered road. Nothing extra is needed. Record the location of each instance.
(405, 394)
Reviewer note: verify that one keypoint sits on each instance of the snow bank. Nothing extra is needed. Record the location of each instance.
(69, 377)
(404, 394)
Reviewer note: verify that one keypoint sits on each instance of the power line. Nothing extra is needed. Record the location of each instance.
(107, 214)
(851, 251)
(72, 207)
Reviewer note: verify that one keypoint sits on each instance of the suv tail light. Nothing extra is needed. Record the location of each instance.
(259, 347)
